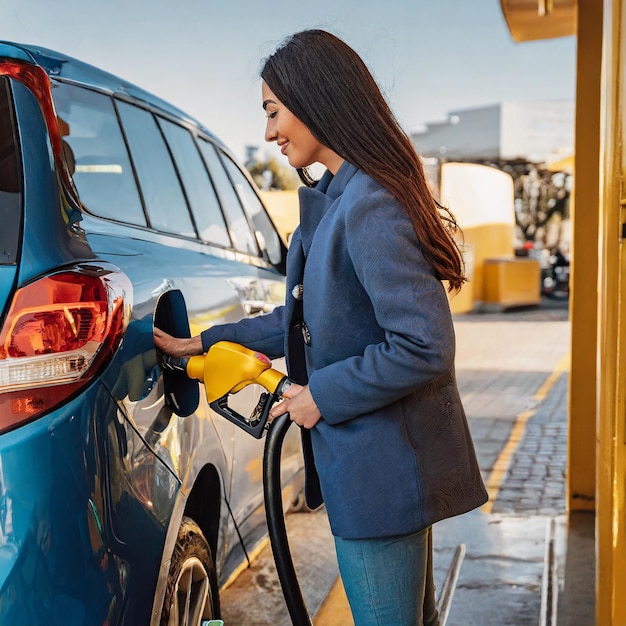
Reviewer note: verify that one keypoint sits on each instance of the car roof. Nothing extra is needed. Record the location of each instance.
(58, 65)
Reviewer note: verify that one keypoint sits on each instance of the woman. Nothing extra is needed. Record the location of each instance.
(366, 330)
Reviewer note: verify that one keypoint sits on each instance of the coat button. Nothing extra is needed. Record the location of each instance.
(306, 335)
(297, 291)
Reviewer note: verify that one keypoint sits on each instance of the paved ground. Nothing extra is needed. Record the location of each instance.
(512, 373)
(512, 370)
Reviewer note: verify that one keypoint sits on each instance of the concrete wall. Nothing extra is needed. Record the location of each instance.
(530, 131)
(536, 131)
(466, 134)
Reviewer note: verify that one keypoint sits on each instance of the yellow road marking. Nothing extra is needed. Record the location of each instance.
(501, 466)
(334, 610)
(244, 565)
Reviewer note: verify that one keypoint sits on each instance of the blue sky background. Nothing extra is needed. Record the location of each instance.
(429, 56)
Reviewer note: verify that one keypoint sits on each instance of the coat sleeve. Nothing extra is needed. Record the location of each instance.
(265, 333)
(410, 306)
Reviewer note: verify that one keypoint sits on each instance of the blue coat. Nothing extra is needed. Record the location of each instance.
(393, 450)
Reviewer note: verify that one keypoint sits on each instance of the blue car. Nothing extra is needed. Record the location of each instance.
(114, 509)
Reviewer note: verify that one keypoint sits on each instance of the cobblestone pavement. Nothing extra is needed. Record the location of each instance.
(503, 360)
(535, 482)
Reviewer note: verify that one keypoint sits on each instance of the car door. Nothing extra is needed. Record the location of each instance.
(252, 232)
(167, 212)
(244, 210)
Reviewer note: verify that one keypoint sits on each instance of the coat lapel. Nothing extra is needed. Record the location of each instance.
(315, 201)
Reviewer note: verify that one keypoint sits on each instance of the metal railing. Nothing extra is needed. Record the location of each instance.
(449, 584)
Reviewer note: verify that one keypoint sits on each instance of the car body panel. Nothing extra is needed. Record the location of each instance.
(92, 493)
(8, 274)
(67, 539)
(56, 244)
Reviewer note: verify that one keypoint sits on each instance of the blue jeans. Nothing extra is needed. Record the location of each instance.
(389, 581)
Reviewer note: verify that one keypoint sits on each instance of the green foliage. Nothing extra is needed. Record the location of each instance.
(269, 175)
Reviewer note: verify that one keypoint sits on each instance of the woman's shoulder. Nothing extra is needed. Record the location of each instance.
(365, 195)
(362, 184)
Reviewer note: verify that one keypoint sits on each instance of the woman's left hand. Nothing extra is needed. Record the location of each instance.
(299, 403)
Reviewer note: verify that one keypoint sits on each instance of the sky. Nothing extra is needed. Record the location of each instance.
(429, 57)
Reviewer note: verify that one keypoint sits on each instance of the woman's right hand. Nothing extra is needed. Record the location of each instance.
(177, 347)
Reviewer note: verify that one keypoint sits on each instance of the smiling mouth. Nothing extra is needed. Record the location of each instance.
(283, 148)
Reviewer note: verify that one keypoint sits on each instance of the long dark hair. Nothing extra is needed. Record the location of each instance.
(328, 87)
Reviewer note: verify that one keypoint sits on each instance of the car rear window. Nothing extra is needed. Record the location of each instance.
(134, 166)
(103, 174)
(160, 187)
(10, 179)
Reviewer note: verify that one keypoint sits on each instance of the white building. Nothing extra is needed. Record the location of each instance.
(536, 132)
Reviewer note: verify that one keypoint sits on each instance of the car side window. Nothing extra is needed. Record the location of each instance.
(95, 151)
(10, 180)
(263, 227)
(238, 227)
(200, 193)
(162, 194)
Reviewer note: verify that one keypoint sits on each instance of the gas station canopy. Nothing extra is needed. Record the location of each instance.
(530, 20)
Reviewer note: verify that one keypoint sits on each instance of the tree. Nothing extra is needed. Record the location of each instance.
(269, 175)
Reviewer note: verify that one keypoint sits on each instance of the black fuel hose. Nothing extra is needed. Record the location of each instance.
(276, 521)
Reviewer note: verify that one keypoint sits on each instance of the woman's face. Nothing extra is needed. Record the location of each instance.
(295, 140)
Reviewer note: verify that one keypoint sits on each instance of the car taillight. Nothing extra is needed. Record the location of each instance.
(58, 332)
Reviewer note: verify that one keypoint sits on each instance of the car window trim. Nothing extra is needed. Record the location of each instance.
(248, 178)
(177, 172)
(197, 134)
(109, 94)
(217, 150)
(194, 138)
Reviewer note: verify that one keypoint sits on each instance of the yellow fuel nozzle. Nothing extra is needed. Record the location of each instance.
(229, 367)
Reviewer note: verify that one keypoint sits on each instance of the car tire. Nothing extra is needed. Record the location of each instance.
(192, 589)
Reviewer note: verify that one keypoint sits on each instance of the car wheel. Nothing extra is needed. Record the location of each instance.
(191, 595)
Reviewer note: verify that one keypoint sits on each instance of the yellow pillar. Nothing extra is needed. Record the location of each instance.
(611, 450)
(584, 296)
